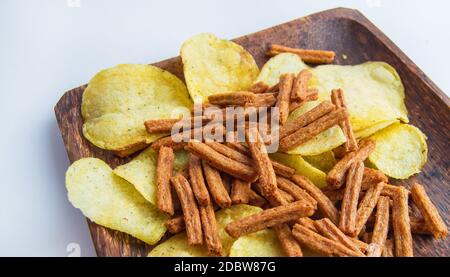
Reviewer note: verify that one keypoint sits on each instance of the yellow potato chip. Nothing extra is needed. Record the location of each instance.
(278, 65)
(118, 100)
(302, 167)
(264, 243)
(110, 201)
(178, 246)
(323, 142)
(324, 161)
(141, 171)
(212, 65)
(373, 91)
(364, 133)
(401, 150)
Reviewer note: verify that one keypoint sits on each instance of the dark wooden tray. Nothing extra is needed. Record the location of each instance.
(346, 32)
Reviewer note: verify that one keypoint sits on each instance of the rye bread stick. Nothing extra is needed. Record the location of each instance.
(164, 168)
(259, 87)
(255, 199)
(238, 147)
(429, 212)
(300, 85)
(240, 192)
(372, 177)
(268, 218)
(349, 206)
(282, 170)
(418, 226)
(336, 175)
(287, 196)
(239, 98)
(210, 230)
(390, 190)
(283, 99)
(338, 99)
(307, 55)
(266, 174)
(288, 243)
(275, 199)
(219, 161)
(327, 229)
(197, 180)
(264, 100)
(216, 187)
(308, 223)
(401, 225)
(167, 142)
(230, 152)
(315, 113)
(324, 204)
(294, 190)
(308, 132)
(374, 250)
(190, 209)
(165, 125)
(176, 225)
(311, 95)
(388, 249)
(366, 206)
(320, 243)
(381, 227)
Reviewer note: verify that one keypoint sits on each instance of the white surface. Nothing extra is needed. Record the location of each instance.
(48, 47)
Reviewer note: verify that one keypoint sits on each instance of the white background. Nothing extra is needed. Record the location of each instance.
(48, 47)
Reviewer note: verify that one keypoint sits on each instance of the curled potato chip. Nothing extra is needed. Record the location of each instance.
(373, 91)
(278, 65)
(110, 201)
(118, 100)
(178, 246)
(323, 142)
(324, 161)
(212, 65)
(401, 150)
(302, 167)
(364, 133)
(141, 171)
(264, 243)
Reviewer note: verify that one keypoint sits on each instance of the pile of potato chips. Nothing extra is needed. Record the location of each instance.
(118, 100)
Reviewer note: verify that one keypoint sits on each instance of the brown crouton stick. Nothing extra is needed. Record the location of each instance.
(288, 243)
(175, 225)
(282, 170)
(323, 202)
(240, 192)
(283, 100)
(259, 87)
(388, 249)
(210, 230)
(255, 199)
(311, 95)
(164, 168)
(216, 186)
(230, 152)
(337, 97)
(372, 177)
(288, 197)
(294, 190)
(300, 86)
(239, 98)
(429, 212)
(198, 181)
(307, 55)
(190, 209)
(336, 175)
(401, 225)
(381, 227)
(269, 218)
(367, 205)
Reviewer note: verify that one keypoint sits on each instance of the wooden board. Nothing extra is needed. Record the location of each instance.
(346, 32)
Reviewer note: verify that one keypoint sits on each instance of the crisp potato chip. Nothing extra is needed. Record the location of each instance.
(323, 142)
(401, 150)
(118, 100)
(178, 246)
(141, 171)
(324, 161)
(110, 201)
(264, 243)
(364, 133)
(302, 167)
(373, 91)
(278, 65)
(212, 65)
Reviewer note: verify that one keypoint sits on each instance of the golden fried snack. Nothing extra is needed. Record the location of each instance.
(164, 168)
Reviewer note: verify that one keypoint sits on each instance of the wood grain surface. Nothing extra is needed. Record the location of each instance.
(345, 31)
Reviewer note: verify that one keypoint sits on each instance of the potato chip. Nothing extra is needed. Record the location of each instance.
(141, 171)
(118, 100)
(364, 133)
(264, 243)
(401, 150)
(302, 167)
(323, 142)
(212, 65)
(324, 161)
(278, 65)
(178, 246)
(373, 91)
(110, 201)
